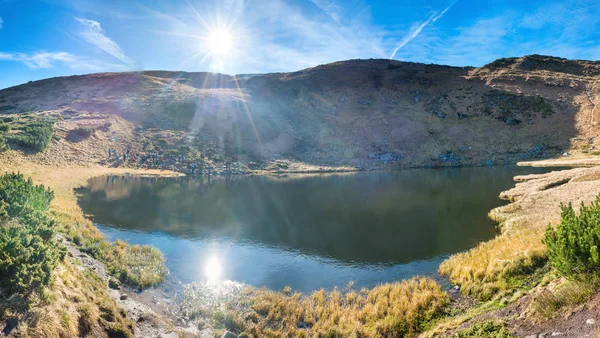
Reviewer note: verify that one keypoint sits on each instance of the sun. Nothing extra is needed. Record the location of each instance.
(219, 42)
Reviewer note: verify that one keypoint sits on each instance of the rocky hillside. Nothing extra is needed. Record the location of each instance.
(364, 113)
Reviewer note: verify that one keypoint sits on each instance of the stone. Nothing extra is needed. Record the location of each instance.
(590, 321)
(531, 336)
(123, 297)
(114, 284)
(557, 333)
(228, 334)
(441, 114)
(512, 122)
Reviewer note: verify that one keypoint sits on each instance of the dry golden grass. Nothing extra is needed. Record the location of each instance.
(485, 271)
(76, 304)
(139, 266)
(566, 295)
(388, 310)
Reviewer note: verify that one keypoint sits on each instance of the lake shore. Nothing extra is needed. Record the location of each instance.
(534, 204)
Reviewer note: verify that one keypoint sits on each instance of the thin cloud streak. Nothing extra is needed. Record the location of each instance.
(47, 60)
(94, 34)
(331, 9)
(1, 23)
(433, 18)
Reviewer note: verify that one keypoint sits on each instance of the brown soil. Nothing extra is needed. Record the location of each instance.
(357, 113)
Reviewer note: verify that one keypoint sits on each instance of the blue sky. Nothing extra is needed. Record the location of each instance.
(40, 39)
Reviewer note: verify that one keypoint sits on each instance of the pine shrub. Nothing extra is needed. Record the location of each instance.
(36, 136)
(28, 251)
(573, 245)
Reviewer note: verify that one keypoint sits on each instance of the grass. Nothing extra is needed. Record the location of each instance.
(485, 329)
(137, 266)
(567, 295)
(490, 269)
(388, 310)
(75, 304)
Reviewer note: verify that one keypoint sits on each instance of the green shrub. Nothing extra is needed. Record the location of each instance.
(4, 127)
(28, 256)
(485, 329)
(21, 198)
(82, 132)
(3, 145)
(573, 245)
(28, 251)
(8, 119)
(35, 136)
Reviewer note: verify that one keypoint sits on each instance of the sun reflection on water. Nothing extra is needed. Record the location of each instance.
(213, 268)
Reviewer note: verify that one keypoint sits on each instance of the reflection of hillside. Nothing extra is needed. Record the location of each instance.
(374, 217)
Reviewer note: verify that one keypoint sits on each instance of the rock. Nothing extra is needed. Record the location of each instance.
(450, 157)
(114, 284)
(557, 333)
(543, 335)
(512, 122)
(123, 297)
(417, 99)
(169, 335)
(461, 116)
(565, 154)
(441, 114)
(228, 334)
(590, 321)
(531, 336)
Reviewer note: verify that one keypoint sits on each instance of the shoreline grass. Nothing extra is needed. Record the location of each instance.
(400, 309)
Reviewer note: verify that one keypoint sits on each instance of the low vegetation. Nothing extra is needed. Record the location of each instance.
(138, 266)
(401, 309)
(485, 329)
(568, 294)
(573, 247)
(82, 132)
(28, 250)
(35, 136)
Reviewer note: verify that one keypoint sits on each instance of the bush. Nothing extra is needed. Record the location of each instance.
(573, 245)
(36, 136)
(485, 329)
(27, 258)
(21, 198)
(28, 251)
(83, 132)
(4, 127)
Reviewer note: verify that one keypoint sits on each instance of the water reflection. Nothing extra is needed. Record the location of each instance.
(306, 232)
(212, 268)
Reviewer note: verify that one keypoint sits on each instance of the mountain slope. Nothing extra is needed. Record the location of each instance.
(366, 113)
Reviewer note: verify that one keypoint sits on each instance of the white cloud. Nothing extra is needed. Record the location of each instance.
(46, 60)
(1, 23)
(417, 29)
(94, 34)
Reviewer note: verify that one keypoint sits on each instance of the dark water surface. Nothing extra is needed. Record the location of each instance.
(307, 232)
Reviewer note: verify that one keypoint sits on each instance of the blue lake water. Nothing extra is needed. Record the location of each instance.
(307, 232)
